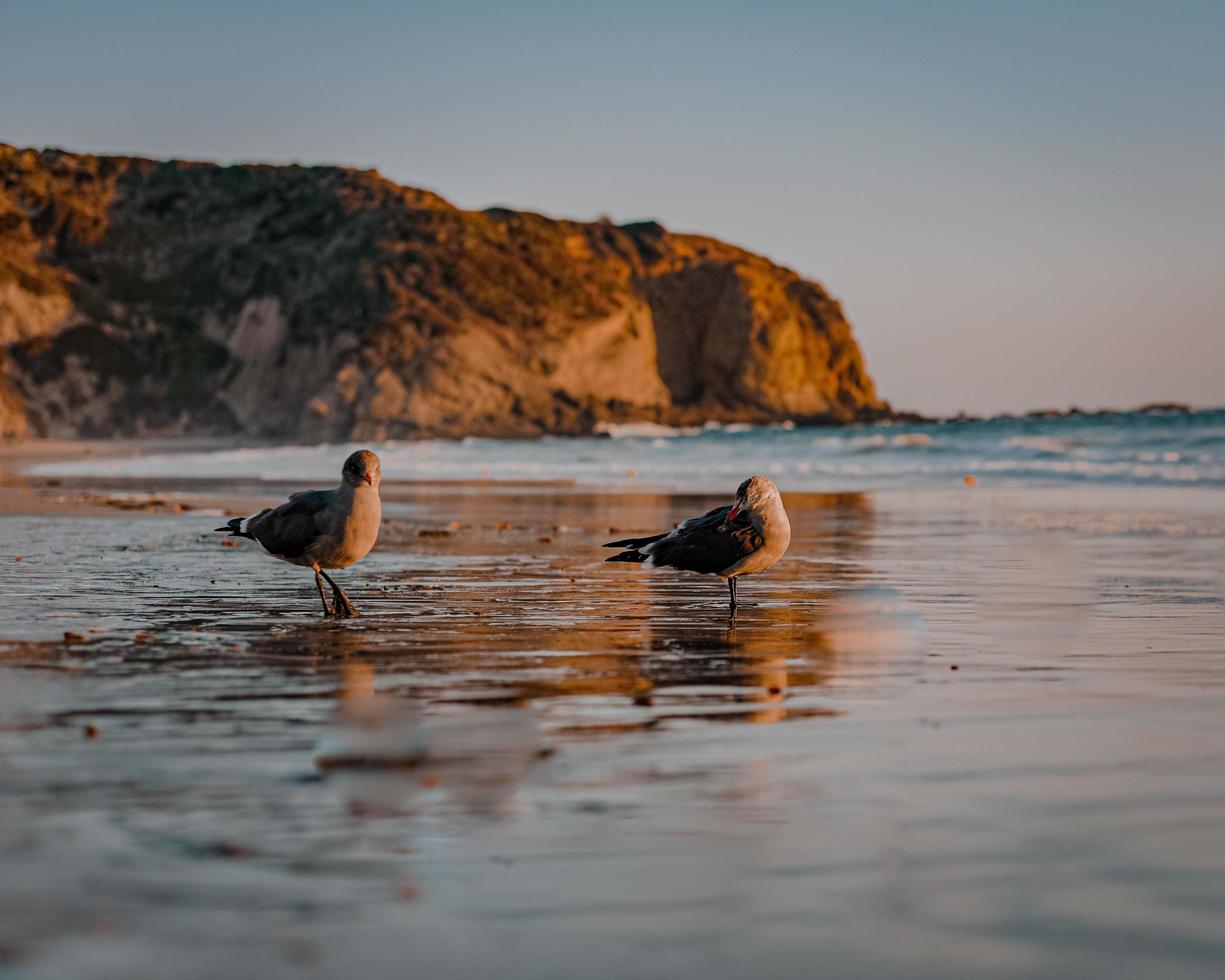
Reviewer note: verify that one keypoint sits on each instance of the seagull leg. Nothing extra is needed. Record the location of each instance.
(327, 610)
(731, 588)
(343, 607)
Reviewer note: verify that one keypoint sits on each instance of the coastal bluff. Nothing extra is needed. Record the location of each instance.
(147, 298)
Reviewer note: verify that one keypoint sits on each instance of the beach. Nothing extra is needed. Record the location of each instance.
(956, 731)
(386, 388)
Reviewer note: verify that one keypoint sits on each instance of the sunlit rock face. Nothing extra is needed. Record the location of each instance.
(147, 298)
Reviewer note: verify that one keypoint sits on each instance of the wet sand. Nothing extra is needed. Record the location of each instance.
(952, 734)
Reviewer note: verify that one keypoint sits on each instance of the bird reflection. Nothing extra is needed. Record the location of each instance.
(541, 626)
(676, 658)
(386, 753)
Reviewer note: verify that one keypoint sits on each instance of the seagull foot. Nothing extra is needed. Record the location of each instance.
(342, 608)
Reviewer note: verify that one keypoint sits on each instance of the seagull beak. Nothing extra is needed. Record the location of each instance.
(732, 514)
(369, 478)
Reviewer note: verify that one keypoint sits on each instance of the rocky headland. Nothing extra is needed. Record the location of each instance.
(147, 298)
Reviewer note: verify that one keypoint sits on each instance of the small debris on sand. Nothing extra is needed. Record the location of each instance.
(90, 731)
(970, 480)
(124, 503)
(71, 637)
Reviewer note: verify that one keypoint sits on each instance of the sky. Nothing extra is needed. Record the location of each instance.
(1020, 205)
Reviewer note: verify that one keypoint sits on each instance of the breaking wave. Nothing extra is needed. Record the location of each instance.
(1129, 449)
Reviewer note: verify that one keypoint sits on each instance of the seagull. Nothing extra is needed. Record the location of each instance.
(737, 539)
(323, 528)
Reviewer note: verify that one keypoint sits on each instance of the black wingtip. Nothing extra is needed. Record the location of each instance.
(234, 528)
(637, 542)
(635, 556)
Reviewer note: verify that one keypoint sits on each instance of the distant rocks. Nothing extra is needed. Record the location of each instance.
(1166, 408)
(163, 298)
(1153, 408)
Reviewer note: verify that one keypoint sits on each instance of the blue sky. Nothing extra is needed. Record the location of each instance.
(1019, 204)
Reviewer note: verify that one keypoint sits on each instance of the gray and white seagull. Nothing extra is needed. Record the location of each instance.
(321, 529)
(730, 541)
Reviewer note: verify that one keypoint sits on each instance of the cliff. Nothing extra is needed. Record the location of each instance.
(156, 298)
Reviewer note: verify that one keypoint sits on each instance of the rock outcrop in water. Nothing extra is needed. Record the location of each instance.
(140, 298)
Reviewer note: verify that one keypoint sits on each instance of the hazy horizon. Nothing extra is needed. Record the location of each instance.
(1018, 208)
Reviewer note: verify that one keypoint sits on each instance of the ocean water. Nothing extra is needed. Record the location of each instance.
(1130, 449)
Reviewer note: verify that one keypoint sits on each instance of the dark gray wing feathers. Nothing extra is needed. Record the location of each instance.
(290, 529)
(706, 544)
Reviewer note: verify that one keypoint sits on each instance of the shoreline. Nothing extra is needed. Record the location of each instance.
(40, 447)
(1160, 450)
(102, 494)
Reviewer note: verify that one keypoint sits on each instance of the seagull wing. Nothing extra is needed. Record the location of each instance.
(290, 529)
(709, 543)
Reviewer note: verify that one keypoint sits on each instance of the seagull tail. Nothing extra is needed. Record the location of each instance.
(236, 529)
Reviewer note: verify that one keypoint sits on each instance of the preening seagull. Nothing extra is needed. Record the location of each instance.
(738, 539)
(321, 529)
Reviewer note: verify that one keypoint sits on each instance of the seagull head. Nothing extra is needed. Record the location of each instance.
(362, 468)
(754, 495)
